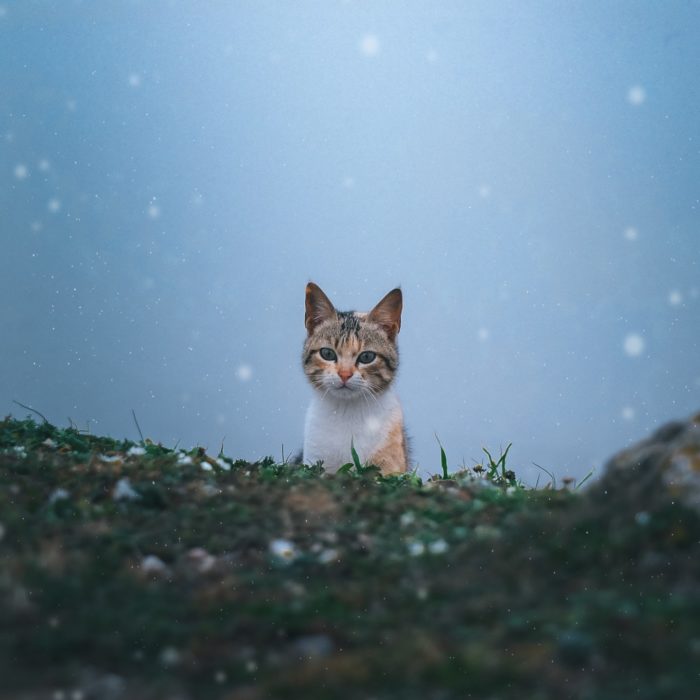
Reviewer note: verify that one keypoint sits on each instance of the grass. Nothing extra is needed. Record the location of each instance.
(145, 572)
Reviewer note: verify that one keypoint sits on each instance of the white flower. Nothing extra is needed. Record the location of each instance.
(123, 491)
(415, 548)
(136, 451)
(52, 444)
(284, 550)
(183, 459)
(328, 556)
(205, 465)
(407, 518)
(438, 546)
(223, 464)
(152, 564)
(59, 495)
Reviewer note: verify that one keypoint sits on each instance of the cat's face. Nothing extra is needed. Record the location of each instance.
(350, 354)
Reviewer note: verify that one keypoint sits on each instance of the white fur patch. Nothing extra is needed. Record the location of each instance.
(333, 425)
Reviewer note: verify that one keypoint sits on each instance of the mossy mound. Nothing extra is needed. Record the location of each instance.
(135, 571)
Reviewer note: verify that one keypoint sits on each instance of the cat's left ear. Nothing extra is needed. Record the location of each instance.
(387, 313)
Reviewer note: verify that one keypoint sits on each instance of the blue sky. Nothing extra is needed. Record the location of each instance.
(172, 174)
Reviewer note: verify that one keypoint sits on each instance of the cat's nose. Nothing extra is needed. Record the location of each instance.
(345, 374)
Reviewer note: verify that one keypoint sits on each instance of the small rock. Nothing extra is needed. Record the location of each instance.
(663, 468)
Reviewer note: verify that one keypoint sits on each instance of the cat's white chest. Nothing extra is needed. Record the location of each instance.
(332, 426)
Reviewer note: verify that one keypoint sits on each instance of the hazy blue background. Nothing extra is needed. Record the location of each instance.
(172, 174)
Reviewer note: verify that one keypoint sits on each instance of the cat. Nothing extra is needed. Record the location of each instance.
(350, 358)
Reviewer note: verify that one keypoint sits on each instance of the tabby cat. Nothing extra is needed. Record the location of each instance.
(351, 359)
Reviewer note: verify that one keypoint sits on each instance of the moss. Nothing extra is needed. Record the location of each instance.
(528, 594)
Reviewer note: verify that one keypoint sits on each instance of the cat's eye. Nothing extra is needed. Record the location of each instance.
(327, 354)
(366, 357)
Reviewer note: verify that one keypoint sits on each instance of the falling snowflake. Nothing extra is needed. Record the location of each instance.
(369, 45)
(633, 345)
(44, 165)
(3, 11)
(483, 334)
(431, 56)
(244, 373)
(134, 80)
(21, 171)
(415, 548)
(153, 211)
(675, 298)
(484, 191)
(627, 413)
(636, 95)
(631, 233)
(348, 182)
(54, 205)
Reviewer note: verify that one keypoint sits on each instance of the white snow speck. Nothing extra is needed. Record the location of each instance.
(631, 233)
(59, 495)
(283, 550)
(438, 546)
(169, 657)
(636, 95)
(21, 171)
(642, 518)
(223, 464)
(484, 191)
(220, 677)
(431, 56)
(244, 373)
(369, 45)
(44, 165)
(134, 80)
(627, 413)
(153, 211)
(54, 205)
(328, 556)
(136, 451)
(3, 11)
(483, 334)
(675, 298)
(348, 182)
(633, 345)
(415, 548)
(51, 444)
(151, 564)
(407, 518)
(373, 424)
(123, 491)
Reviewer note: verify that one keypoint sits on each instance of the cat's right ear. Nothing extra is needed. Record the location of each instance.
(318, 307)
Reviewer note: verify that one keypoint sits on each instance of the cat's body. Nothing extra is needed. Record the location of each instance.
(351, 358)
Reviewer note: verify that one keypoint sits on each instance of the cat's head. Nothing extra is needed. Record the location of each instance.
(351, 354)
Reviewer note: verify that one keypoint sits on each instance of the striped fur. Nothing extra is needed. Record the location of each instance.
(353, 402)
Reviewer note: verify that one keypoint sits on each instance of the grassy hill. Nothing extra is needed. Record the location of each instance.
(134, 571)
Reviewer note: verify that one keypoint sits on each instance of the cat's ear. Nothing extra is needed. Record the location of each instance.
(318, 307)
(387, 313)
